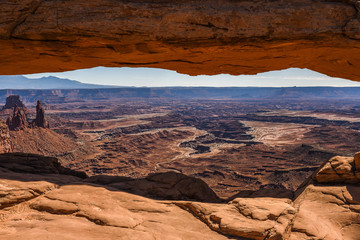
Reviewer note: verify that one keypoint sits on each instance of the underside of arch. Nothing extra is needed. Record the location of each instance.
(192, 37)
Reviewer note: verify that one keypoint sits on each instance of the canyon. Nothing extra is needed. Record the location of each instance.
(258, 166)
(182, 163)
(233, 145)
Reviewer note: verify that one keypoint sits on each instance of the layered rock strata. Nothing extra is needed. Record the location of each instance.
(202, 37)
(42, 200)
(12, 101)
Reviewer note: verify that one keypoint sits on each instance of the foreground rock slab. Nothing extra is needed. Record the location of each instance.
(55, 203)
(327, 212)
(90, 212)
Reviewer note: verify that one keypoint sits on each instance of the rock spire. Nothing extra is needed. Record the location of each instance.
(40, 120)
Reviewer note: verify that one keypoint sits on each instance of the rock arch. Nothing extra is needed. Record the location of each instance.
(192, 37)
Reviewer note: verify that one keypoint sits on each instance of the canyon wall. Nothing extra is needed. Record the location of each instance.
(192, 37)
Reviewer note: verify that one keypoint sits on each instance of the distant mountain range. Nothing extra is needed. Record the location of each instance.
(21, 82)
(58, 90)
(241, 93)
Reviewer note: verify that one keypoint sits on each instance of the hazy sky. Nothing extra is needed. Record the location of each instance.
(152, 77)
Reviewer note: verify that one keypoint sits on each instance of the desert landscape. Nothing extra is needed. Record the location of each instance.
(90, 161)
(233, 145)
(176, 162)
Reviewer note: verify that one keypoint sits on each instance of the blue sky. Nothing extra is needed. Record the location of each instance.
(153, 77)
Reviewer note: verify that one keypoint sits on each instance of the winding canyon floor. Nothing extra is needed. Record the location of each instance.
(232, 145)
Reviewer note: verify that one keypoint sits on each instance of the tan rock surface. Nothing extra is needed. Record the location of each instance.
(357, 161)
(55, 204)
(260, 218)
(203, 37)
(327, 212)
(339, 170)
(14, 192)
(90, 212)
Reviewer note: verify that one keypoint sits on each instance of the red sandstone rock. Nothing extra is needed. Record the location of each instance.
(357, 161)
(42, 200)
(5, 142)
(40, 120)
(193, 37)
(18, 120)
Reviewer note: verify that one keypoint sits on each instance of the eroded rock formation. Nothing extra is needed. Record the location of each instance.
(18, 120)
(42, 200)
(5, 140)
(12, 101)
(40, 120)
(202, 37)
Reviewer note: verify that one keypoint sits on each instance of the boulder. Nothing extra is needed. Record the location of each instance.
(339, 170)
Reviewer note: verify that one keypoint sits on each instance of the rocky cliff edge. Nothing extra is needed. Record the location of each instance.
(39, 199)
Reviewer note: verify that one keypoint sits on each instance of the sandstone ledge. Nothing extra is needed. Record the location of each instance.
(59, 205)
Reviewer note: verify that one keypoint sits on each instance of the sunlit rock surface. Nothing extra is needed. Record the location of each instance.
(193, 37)
(42, 200)
(340, 170)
